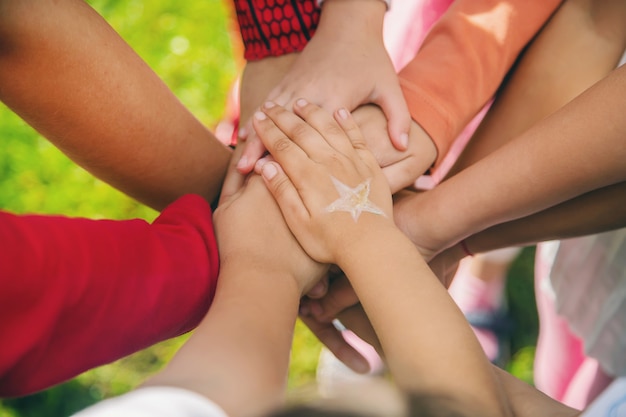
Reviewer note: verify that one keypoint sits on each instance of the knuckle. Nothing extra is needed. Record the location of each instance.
(281, 144)
(280, 187)
(299, 130)
(333, 129)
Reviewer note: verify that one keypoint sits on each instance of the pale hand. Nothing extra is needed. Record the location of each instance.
(328, 185)
(329, 72)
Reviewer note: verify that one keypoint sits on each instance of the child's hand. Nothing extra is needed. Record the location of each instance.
(401, 168)
(331, 191)
(344, 65)
(251, 231)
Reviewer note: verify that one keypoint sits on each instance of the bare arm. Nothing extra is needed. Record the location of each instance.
(401, 311)
(576, 150)
(239, 354)
(598, 211)
(68, 74)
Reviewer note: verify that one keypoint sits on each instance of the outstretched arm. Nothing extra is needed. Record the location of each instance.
(330, 70)
(80, 293)
(597, 211)
(66, 72)
(325, 166)
(238, 356)
(578, 149)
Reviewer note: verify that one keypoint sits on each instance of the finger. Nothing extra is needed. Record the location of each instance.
(297, 130)
(339, 297)
(324, 123)
(253, 149)
(234, 179)
(294, 211)
(357, 322)
(319, 290)
(401, 174)
(281, 146)
(394, 106)
(334, 341)
(353, 132)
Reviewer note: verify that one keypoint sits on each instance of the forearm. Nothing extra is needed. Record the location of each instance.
(68, 74)
(405, 305)
(594, 212)
(545, 78)
(528, 401)
(239, 355)
(475, 43)
(578, 149)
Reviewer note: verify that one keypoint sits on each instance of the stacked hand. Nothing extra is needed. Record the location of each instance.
(327, 184)
(328, 72)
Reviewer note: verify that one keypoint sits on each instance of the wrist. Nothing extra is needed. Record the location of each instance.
(387, 3)
(352, 245)
(352, 18)
(423, 142)
(251, 271)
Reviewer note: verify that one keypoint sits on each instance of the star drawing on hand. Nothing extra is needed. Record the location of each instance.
(353, 200)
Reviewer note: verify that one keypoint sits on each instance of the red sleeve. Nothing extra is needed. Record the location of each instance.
(464, 59)
(276, 27)
(78, 293)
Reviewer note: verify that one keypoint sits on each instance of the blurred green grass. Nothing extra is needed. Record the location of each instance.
(188, 44)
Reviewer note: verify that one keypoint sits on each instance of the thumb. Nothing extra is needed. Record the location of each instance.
(284, 192)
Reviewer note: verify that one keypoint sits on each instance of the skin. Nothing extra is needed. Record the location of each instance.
(413, 346)
(241, 348)
(324, 72)
(103, 106)
(542, 82)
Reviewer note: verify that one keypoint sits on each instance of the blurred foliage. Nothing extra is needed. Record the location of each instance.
(189, 45)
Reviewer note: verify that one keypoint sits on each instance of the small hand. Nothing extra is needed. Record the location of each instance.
(354, 319)
(329, 72)
(401, 167)
(331, 190)
(247, 220)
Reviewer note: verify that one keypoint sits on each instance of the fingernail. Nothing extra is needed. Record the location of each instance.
(301, 102)
(404, 140)
(343, 113)
(259, 115)
(243, 132)
(269, 104)
(243, 162)
(269, 171)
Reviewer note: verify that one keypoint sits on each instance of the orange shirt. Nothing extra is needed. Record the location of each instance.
(464, 59)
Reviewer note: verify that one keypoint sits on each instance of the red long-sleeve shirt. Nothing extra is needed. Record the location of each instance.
(77, 293)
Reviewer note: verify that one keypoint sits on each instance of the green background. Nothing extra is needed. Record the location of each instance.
(188, 43)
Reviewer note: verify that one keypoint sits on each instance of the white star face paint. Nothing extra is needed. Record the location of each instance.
(354, 200)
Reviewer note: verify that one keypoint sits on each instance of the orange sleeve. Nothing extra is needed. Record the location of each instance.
(464, 59)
